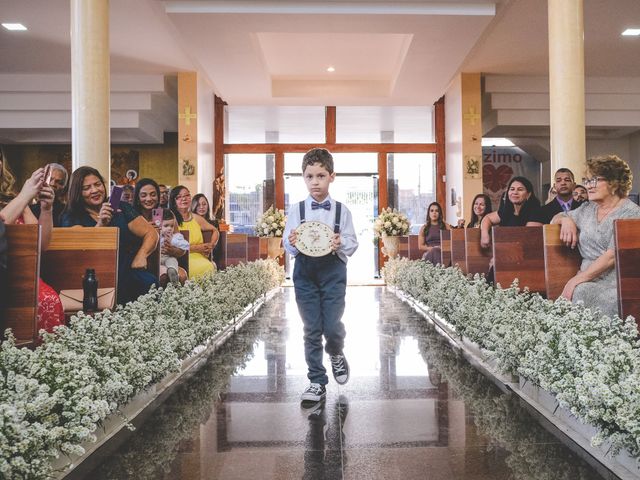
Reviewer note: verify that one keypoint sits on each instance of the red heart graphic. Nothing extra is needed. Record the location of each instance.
(496, 179)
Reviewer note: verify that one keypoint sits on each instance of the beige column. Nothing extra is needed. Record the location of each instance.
(90, 135)
(471, 144)
(188, 130)
(566, 85)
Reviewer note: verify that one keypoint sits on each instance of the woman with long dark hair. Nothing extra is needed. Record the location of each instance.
(429, 235)
(146, 197)
(480, 207)
(88, 207)
(519, 207)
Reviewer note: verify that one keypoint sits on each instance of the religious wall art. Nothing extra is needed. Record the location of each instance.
(454, 197)
(501, 164)
(218, 197)
(471, 166)
(188, 168)
(125, 167)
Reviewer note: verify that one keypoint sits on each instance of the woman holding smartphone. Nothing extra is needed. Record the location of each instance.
(88, 207)
(146, 197)
(14, 210)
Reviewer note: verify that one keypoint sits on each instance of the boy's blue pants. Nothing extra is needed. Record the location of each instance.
(320, 284)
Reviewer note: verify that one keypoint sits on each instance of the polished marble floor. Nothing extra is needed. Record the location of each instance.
(414, 409)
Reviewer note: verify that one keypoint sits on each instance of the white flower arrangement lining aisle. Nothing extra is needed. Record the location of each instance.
(589, 362)
(54, 398)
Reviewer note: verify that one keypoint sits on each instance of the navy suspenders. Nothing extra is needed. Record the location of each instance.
(336, 222)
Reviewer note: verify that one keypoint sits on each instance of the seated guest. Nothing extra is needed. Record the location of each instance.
(580, 194)
(146, 197)
(564, 201)
(164, 196)
(608, 186)
(172, 246)
(519, 207)
(429, 235)
(14, 210)
(127, 194)
(88, 207)
(58, 180)
(199, 252)
(480, 207)
(200, 205)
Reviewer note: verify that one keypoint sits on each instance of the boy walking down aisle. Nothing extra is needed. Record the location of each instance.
(320, 282)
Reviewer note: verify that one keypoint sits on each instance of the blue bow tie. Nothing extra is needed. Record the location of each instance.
(326, 205)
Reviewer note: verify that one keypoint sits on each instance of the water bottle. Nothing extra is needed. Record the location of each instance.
(90, 288)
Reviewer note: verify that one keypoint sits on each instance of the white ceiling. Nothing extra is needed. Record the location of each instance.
(269, 52)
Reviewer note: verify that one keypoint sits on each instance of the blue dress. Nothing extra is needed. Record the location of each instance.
(131, 282)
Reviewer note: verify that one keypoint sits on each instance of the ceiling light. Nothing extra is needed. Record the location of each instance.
(631, 32)
(497, 142)
(331, 69)
(14, 26)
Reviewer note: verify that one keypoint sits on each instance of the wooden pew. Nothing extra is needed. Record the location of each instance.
(518, 252)
(445, 247)
(71, 251)
(153, 262)
(257, 248)
(403, 247)
(20, 295)
(477, 258)
(183, 261)
(561, 263)
(458, 253)
(414, 252)
(233, 249)
(627, 238)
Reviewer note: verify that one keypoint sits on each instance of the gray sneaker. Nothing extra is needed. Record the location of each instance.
(313, 393)
(172, 273)
(340, 368)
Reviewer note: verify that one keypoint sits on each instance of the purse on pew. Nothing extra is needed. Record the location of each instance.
(72, 299)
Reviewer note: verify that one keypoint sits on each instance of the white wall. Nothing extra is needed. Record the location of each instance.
(205, 138)
(453, 144)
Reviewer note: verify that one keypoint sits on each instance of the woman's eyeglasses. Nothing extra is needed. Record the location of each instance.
(182, 197)
(592, 182)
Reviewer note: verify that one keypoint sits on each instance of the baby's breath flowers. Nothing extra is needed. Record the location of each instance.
(589, 361)
(271, 223)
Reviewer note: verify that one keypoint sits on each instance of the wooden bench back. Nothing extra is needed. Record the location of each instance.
(257, 248)
(627, 238)
(414, 250)
(518, 252)
(561, 263)
(183, 261)
(20, 304)
(478, 258)
(445, 247)
(458, 251)
(234, 249)
(72, 250)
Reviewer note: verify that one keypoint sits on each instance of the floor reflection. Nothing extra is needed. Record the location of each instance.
(413, 409)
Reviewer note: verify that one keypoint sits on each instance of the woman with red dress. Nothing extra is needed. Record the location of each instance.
(14, 209)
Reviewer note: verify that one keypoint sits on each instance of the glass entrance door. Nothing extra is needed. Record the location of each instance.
(356, 187)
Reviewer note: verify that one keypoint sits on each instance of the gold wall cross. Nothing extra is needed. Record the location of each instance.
(187, 115)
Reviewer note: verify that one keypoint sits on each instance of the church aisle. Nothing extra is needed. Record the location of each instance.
(413, 409)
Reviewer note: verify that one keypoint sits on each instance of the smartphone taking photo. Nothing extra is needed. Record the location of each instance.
(115, 197)
(48, 171)
(156, 215)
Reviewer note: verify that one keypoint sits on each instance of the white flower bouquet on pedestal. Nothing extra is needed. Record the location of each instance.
(388, 226)
(271, 223)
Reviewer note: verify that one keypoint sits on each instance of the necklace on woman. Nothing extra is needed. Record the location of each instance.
(187, 219)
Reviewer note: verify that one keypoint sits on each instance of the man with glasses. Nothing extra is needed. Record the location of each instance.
(564, 184)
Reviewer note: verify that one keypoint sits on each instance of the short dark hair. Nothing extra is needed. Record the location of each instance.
(167, 214)
(136, 195)
(76, 204)
(175, 191)
(320, 156)
(565, 170)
